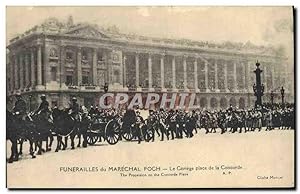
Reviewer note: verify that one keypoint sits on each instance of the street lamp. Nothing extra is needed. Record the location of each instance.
(258, 88)
(105, 91)
(282, 95)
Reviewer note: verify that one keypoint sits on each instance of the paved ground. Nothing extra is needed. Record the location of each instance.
(253, 156)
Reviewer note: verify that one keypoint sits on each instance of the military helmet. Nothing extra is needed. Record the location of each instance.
(43, 96)
(18, 94)
(74, 99)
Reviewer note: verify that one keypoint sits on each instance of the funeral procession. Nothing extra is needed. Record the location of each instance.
(73, 85)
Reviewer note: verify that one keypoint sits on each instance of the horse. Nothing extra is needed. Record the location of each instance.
(19, 130)
(64, 126)
(44, 125)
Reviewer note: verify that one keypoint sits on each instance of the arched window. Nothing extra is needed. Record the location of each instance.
(213, 103)
(116, 77)
(203, 102)
(241, 103)
(223, 103)
(232, 102)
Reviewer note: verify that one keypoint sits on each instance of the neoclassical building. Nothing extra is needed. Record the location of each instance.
(63, 59)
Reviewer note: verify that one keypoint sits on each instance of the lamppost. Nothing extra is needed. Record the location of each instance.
(282, 95)
(272, 97)
(105, 91)
(258, 88)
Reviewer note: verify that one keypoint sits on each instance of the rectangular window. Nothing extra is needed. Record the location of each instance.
(84, 55)
(69, 80)
(53, 73)
(85, 80)
(100, 56)
(69, 55)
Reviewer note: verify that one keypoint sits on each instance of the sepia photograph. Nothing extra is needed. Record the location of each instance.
(150, 97)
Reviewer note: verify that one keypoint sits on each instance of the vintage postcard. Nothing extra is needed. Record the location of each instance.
(150, 97)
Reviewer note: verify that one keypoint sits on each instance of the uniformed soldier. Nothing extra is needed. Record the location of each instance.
(20, 106)
(138, 124)
(171, 120)
(180, 123)
(43, 109)
(74, 109)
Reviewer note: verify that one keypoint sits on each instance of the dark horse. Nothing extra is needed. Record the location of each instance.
(19, 130)
(44, 129)
(64, 126)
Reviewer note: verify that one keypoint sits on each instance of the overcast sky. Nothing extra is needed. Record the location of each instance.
(260, 25)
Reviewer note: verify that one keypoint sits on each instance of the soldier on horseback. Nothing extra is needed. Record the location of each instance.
(74, 110)
(44, 110)
(20, 107)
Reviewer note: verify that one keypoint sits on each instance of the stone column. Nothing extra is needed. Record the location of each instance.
(39, 66)
(16, 75)
(265, 78)
(244, 77)
(196, 74)
(124, 70)
(46, 66)
(216, 77)
(21, 73)
(27, 71)
(173, 73)
(184, 73)
(32, 64)
(206, 75)
(234, 77)
(137, 70)
(61, 69)
(162, 72)
(225, 77)
(150, 72)
(94, 66)
(11, 73)
(79, 68)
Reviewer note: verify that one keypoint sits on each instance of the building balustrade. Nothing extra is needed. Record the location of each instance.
(187, 80)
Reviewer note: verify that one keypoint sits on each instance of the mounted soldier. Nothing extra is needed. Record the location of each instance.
(74, 110)
(20, 107)
(44, 110)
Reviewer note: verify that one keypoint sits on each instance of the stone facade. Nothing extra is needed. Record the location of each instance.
(65, 60)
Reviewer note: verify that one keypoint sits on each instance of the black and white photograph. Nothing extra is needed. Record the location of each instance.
(145, 97)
